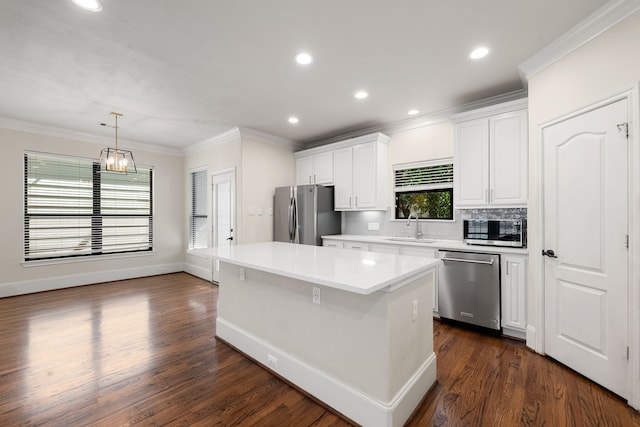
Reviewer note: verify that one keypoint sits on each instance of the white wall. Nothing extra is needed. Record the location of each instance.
(265, 167)
(424, 143)
(260, 168)
(605, 66)
(215, 157)
(168, 219)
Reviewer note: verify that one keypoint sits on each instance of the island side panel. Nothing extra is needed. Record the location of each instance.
(346, 336)
(413, 360)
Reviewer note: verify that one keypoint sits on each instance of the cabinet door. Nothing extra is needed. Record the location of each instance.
(343, 178)
(514, 292)
(358, 246)
(471, 163)
(364, 175)
(508, 159)
(323, 168)
(332, 243)
(304, 170)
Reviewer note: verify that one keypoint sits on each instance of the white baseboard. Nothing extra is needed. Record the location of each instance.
(10, 289)
(514, 333)
(353, 403)
(201, 272)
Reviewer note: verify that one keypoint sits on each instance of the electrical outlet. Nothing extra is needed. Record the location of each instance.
(242, 274)
(316, 295)
(272, 361)
(373, 226)
(414, 310)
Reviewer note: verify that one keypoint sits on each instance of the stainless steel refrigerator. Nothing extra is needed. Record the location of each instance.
(304, 213)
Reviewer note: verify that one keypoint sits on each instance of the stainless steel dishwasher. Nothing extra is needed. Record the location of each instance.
(469, 288)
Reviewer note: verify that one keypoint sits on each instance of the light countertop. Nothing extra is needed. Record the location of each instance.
(353, 271)
(454, 245)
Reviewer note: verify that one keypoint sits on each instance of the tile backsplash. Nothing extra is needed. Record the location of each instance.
(357, 223)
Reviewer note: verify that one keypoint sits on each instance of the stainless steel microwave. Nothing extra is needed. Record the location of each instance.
(496, 232)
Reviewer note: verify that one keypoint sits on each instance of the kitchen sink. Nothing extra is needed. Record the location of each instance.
(411, 239)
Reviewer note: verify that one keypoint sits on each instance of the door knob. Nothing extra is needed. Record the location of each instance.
(549, 253)
(230, 238)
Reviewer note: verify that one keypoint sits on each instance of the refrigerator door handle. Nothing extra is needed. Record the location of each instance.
(290, 218)
(294, 235)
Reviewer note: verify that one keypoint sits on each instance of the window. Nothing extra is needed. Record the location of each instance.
(198, 216)
(73, 210)
(424, 188)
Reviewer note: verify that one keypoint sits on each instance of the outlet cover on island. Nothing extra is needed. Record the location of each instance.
(373, 226)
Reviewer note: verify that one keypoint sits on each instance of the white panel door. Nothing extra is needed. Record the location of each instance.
(508, 159)
(364, 176)
(585, 225)
(471, 168)
(223, 212)
(343, 178)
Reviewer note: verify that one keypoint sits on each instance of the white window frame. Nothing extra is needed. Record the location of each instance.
(423, 187)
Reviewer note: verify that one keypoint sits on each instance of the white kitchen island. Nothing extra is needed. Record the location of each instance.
(366, 349)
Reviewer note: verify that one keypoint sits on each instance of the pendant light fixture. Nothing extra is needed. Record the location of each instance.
(116, 160)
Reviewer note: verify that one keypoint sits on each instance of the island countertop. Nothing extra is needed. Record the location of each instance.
(353, 271)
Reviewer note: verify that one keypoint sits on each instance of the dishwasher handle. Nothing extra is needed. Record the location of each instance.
(470, 261)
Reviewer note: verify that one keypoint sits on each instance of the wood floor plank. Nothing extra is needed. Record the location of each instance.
(143, 352)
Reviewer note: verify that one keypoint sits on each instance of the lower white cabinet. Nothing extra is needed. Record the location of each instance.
(358, 246)
(332, 243)
(513, 277)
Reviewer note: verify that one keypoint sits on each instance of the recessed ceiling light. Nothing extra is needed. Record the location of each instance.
(413, 112)
(92, 5)
(293, 120)
(361, 94)
(304, 59)
(479, 52)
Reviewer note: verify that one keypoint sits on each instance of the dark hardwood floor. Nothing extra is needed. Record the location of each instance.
(143, 352)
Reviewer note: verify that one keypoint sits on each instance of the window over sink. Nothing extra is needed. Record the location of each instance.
(425, 189)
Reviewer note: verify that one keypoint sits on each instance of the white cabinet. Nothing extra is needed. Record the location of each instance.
(315, 169)
(490, 160)
(513, 276)
(357, 246)
(360, 177)
(332, 243)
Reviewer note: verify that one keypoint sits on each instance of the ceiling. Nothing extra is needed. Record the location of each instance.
(184, 71)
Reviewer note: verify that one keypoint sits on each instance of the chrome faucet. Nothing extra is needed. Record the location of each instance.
(418, 229)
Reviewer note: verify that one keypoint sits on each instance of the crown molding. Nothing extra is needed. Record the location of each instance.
(597, 23)
(259, 136)
(424, 120)
(236, 134)
(232, 134)
(40, 129)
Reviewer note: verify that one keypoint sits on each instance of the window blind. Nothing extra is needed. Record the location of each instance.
(71, 209)
(198, 221)
(424, 175)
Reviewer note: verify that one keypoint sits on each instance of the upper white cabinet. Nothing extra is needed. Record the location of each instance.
(357, 168)
(490, 160)
(360, 178)
(315, 169)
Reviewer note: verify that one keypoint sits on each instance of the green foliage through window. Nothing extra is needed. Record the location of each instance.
(427, 204)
